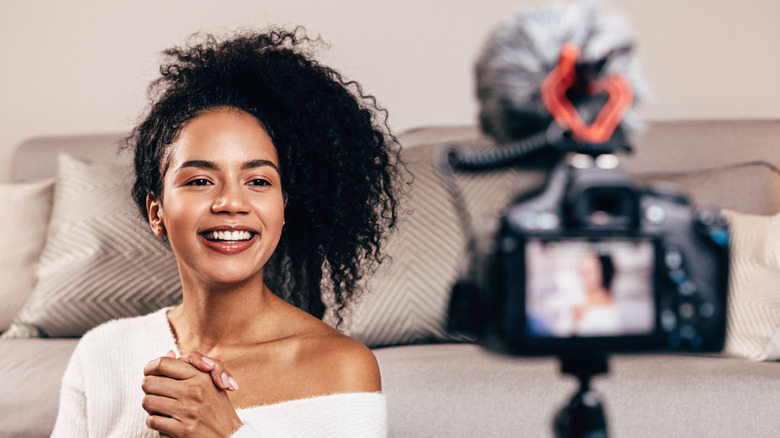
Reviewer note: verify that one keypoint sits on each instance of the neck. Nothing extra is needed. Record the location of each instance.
(212, 317)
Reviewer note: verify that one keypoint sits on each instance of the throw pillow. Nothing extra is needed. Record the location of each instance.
(100, 261)
(753, 329)
(409, 294)
(24, 219)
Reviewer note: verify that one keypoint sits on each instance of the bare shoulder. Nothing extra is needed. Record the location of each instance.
(341, 363)
(318, 358)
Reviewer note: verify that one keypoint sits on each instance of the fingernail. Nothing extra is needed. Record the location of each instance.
(208, 361)
(233, 384)
(225, 381)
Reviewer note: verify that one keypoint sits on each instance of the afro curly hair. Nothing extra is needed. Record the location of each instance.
(338, 159)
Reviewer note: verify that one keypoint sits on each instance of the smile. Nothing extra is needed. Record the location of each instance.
(228, 236)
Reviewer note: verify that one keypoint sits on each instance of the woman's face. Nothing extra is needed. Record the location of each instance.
(222, 206)
(590, 271)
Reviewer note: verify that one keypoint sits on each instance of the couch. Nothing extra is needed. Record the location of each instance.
(437, 384)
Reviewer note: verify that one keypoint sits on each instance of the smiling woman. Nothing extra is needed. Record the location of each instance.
(263, 170)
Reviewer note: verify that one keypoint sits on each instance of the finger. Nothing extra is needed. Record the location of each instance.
(165, 387)
(170, 367)
(171, 353)
(165, 425)
(219, 374)
(159, 405)
(199, 361)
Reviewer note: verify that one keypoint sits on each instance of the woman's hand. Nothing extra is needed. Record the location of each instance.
(182, 400)
(219, 374)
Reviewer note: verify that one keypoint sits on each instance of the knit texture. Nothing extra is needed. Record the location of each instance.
(101, 392)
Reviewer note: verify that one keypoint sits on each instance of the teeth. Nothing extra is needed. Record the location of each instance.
(228, 236)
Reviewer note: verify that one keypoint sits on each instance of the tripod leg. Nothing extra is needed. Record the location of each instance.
(583, 416)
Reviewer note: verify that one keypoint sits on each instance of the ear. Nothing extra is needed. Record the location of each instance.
(155, 213)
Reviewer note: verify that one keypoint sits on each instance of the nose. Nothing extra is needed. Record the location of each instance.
(231, 200)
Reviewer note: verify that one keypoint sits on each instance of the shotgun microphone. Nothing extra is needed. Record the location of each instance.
(561, 76)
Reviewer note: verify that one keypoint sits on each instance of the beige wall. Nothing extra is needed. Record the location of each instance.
(82, 66)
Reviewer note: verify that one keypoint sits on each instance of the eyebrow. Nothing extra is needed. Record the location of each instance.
(205, 164)
(252, 164)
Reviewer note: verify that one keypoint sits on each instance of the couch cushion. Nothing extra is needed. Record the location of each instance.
(24, 220)
(462, 390)
(100, 261)
(32, 370)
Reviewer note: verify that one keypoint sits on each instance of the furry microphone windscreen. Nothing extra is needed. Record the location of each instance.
(522, 51)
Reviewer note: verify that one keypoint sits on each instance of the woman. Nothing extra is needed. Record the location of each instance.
(598, 316)
(272, 181)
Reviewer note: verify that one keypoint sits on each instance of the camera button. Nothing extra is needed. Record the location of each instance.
(668, 320)
(720, 236)
(707, 310)
(655, 214)
(678, 276)
(687, 288)
(673, 258)
(686, 310)
(688, 332)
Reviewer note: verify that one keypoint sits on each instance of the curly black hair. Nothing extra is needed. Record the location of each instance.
(339, 161)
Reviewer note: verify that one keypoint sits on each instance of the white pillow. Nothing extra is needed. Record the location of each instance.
(753, 329)
(100, 261)
(24, 219)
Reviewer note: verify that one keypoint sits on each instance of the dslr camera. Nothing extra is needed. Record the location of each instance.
(595, 263)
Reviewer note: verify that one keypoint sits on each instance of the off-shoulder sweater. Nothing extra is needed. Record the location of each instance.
(101, 392)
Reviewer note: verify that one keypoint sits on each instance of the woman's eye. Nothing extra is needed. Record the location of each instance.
(259, 182)
(199, 182)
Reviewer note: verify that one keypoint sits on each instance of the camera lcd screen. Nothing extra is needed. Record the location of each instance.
(591, 289)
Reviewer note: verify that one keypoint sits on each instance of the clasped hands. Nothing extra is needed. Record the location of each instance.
(187, 397)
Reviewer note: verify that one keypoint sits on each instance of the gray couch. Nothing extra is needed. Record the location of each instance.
(446, 389)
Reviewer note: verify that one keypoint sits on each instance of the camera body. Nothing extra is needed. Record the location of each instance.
(597, 264)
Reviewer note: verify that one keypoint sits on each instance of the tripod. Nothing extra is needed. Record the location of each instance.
(583, 416)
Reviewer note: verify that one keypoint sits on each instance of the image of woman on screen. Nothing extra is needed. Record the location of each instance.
(598, 315)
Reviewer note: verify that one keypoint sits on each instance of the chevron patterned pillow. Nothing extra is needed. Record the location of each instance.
(753, 329)
(27, 215)
(100, 261)
(408, 296)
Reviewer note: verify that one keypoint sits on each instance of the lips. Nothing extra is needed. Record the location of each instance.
(228, 240)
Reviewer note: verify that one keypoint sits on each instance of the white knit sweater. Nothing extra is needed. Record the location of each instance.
(101, 392)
